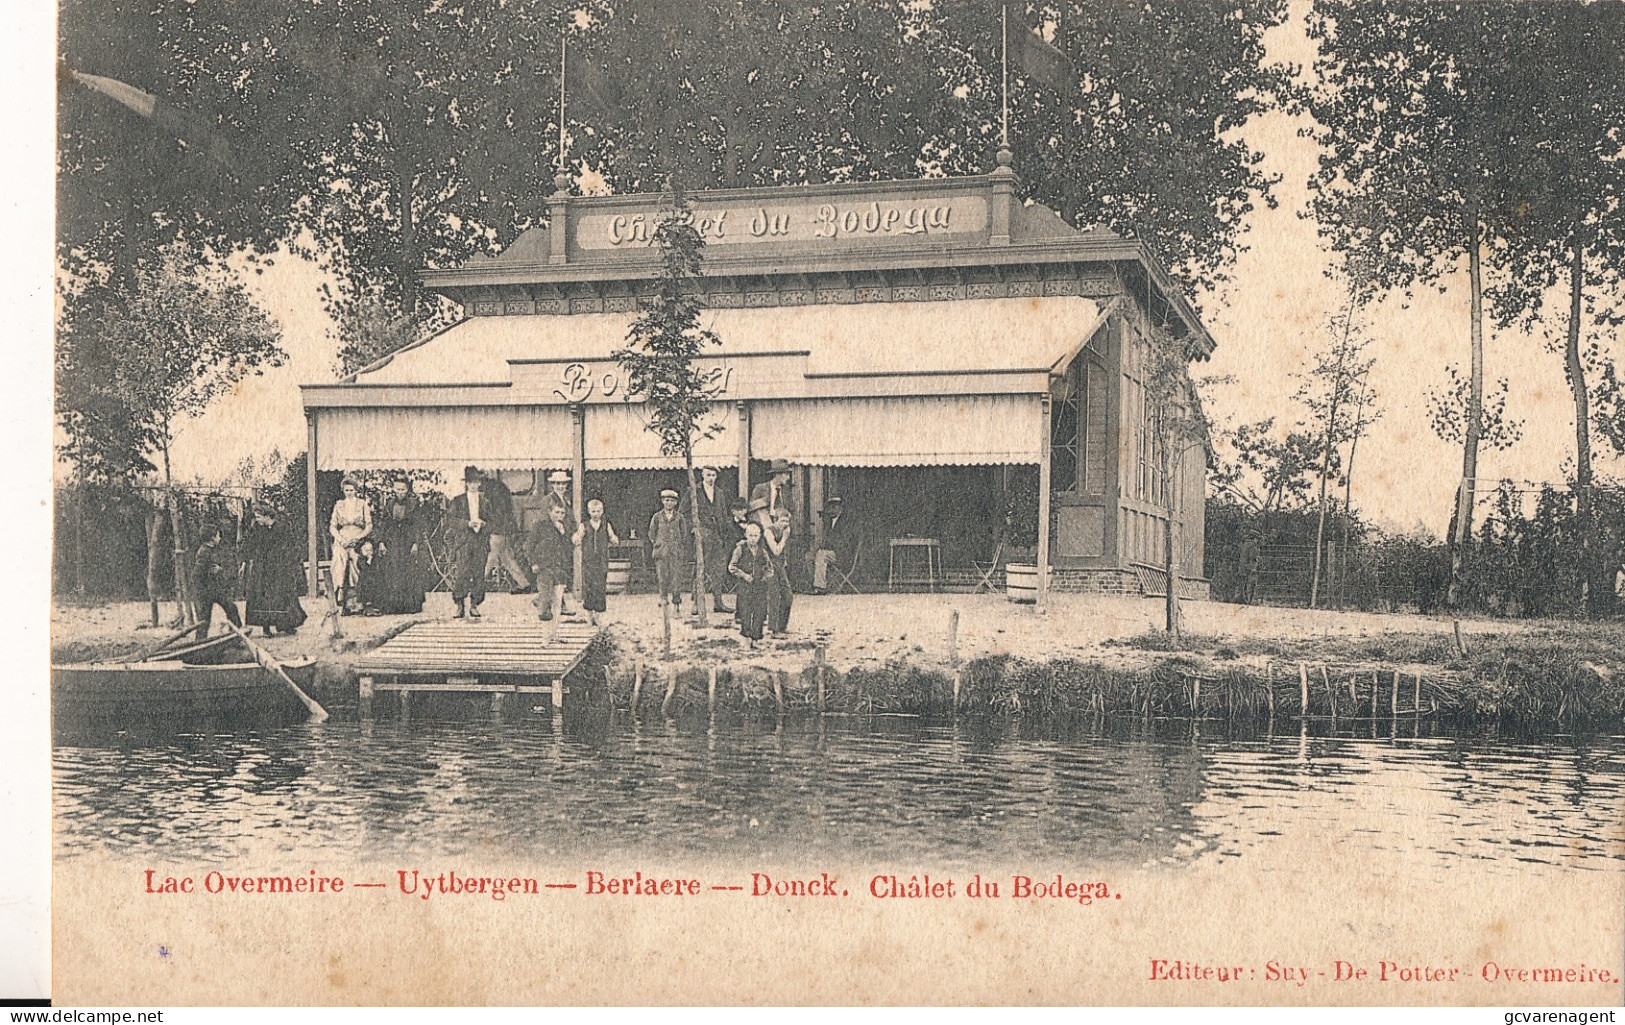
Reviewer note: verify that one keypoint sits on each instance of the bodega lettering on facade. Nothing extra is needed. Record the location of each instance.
(794, 222)
(581, 383)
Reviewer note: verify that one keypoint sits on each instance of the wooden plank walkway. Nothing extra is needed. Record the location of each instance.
(477, 658)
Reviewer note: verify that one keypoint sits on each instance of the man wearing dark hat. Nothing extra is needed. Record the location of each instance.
(468, 535)
(496, 501)
(838, 544)
(773, 494)
(713, 529)
(668, 544)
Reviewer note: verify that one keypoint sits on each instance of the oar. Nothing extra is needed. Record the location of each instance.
(263, 657)
(171, 639)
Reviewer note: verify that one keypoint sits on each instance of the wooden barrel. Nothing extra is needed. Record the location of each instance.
(1021, 582)
(620, 571)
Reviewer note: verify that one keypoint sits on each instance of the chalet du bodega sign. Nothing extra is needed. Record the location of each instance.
(808, 222)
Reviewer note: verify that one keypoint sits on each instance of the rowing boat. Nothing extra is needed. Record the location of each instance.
(214, 681)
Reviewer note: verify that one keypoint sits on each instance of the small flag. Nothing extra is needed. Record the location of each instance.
(1036, 57)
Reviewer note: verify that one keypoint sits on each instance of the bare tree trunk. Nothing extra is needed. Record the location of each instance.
(155, 536)
(1348, 489)
(79, 540)
(1582, 429)
(183, 605)
(1334, 401)
(701, 616)
(1475, 421)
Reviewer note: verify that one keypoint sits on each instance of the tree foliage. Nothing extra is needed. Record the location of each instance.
(663, 346)
(1264, 469)
(134, 358)
(384, 136)
(1148, 144)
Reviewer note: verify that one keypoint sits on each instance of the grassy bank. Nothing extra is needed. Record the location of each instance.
(1561, 677)
(1084, 655)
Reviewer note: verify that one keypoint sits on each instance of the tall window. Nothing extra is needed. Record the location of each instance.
(1078, 426)
(1064, 439)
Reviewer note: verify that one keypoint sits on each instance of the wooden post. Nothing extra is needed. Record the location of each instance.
(671, 688)
(778, 688)
(312, 526)
(1461, 642)
(406, 703)
(953, 637)
(743, 410)
(1331, 695)
(957, 681)
(818, 661)
(1393, 701)
(578, 471)
(1416, 696)
(1196, 696)
(496, 702)
(366, 693)
(637, 684)
(1043, 499)
(558, 692)
(1375, 683)
(665, 627)
(1269, 688)
(711, 688)
(1303, 689)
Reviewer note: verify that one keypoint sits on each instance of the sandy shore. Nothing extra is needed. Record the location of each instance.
(855, 630)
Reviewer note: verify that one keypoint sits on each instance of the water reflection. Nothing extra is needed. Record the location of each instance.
(959, 794)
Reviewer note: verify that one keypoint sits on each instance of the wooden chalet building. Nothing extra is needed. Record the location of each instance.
(954, 363)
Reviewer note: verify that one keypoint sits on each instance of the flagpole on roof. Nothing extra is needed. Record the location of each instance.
(564, 42)
(1004, 73)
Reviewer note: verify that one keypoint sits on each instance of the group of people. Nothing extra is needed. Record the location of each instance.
(269, 564)
(481, 530)
(378, 560)
(746, 543)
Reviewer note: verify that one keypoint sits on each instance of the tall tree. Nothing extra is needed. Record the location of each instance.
(729, 94)
(374, 136)
(1333, 391)
(139, 354)
(1180, 433)
(1148, 141)
(659, 359)
(1413, 100)
(1566, 126)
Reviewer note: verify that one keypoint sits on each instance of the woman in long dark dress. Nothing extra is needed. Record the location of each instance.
(594, 537)
(400, 531)
(752, 565)
(272, 575)
(552, 553)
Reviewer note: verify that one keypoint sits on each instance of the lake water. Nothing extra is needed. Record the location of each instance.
(878, 791)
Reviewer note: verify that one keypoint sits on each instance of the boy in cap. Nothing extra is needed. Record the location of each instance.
(667, 543)
(558, 497)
